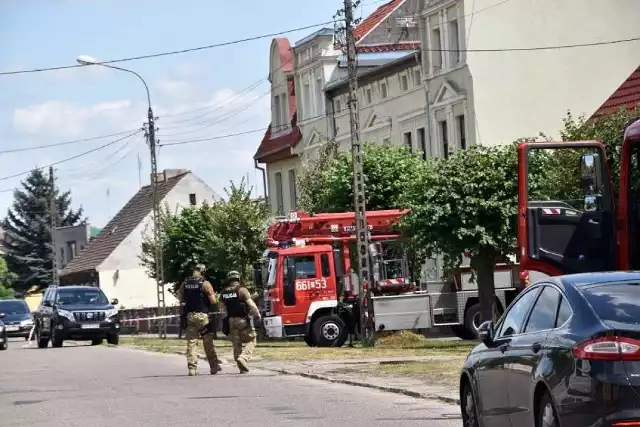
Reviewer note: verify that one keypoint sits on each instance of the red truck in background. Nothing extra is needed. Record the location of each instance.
(557, 237)
(311, 290)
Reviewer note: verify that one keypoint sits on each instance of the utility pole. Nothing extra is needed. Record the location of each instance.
(362, 230)
(151, 140)
(53, 213)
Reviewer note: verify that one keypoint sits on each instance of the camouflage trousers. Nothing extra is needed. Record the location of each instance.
(243, 338)
(195, 322)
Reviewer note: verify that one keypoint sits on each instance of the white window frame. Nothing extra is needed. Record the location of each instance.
(383, 94)
(417, 77)
(402, 76)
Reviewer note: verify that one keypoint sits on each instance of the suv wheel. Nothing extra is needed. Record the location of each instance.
(4, 346)
(42, 341)
(56, 339)
(113, 339)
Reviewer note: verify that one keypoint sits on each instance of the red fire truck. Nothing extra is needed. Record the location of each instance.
(557, 237)
(311, 290)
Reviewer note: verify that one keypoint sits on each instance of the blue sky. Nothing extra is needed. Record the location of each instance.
(58, 106)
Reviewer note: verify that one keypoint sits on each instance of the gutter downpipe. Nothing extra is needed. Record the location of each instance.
(264, 179)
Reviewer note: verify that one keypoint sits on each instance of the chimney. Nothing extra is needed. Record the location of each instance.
(168, 174)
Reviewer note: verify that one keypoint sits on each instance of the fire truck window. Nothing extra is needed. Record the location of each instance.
(324, 263)
(554, 176)
(305, 267)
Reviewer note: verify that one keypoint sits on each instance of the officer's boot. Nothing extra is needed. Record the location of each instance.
(192, 372)
(242, 365)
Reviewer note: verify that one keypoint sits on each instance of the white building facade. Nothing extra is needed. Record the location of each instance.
(480, 90)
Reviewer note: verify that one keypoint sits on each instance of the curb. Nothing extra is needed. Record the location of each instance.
(395, 390)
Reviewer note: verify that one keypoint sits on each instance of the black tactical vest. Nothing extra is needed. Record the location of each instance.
(235, 306)
(195, 300)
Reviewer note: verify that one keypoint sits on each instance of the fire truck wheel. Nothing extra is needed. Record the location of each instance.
(472, 320)
(329, 331)
(308, 339)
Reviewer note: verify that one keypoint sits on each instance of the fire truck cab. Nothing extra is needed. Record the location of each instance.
(585, 230)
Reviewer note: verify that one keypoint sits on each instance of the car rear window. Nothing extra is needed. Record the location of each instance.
(615, 302)
(13, 307)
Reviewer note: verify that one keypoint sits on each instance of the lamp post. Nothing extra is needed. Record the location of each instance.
(151, 140)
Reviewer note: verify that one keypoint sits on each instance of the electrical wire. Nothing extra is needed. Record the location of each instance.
(170, 53)
(213, 138)
(59, 144)
(4, 178)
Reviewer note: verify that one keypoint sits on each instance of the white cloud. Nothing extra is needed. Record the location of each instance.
(195, 115)
(60, 119)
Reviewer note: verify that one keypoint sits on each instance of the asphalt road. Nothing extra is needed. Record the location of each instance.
(80, 385)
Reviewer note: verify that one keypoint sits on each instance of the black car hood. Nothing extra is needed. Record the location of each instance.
(85, 307)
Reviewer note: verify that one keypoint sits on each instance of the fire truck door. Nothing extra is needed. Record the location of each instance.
(303, 284)
(565, 208)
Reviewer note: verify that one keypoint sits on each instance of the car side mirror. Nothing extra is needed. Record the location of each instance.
(485, 332)
(114, 301)
(591, 172)
(47, 304)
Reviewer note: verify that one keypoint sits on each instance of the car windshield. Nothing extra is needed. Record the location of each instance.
(615, 302)
(81, 297)
(13, 307)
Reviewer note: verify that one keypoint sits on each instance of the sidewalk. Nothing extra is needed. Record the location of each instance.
(351, 372)
(361, 373)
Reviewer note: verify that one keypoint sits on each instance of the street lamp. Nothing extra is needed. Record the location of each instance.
(86, 60)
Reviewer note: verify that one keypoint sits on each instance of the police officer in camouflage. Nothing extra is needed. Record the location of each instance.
(239, 307)
(198, 297)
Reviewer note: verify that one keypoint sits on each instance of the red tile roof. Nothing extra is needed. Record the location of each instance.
(391, 47)
(373, 20)
(286, 54)
(627, 95)
(270, 146)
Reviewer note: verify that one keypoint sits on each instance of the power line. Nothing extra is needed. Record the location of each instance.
(531, 49)
(229, 135)
(73, 157)
(174, 52)
(58, 144)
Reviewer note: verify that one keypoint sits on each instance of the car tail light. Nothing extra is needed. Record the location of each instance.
(608, 348)
(524, 277)
(626, 424)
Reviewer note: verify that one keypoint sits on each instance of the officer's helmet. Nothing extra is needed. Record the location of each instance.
(233, 275)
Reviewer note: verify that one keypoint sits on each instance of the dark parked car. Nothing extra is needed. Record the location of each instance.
(565, 353)
(81, 313)
(17, 319)
(4, 339)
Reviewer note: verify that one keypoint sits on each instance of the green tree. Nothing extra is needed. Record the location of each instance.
(467, 202)
(27, 237)
(608, 129)
(6, 280)
(226, 235)
(326, 185)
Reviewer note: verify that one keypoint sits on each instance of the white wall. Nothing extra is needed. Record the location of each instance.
(386, 120)
(121, 275)
(519, 94)
(283, 167)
